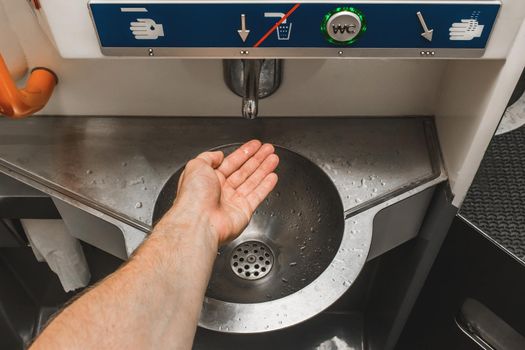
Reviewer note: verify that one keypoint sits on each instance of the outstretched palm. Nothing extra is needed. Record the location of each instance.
(228, 190)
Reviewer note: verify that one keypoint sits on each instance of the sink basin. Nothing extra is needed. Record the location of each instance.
(289, 263)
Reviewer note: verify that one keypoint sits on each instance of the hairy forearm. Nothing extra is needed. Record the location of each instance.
(153, 301)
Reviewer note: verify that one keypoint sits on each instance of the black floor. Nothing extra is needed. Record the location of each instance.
(496, 200)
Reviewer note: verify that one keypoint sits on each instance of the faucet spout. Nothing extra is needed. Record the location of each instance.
(250, 108)
(250, 98)
(252, 79)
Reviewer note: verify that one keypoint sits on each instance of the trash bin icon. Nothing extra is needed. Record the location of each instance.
(284, 30)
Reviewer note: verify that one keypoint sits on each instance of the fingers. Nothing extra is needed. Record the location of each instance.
(235, 160)
(213, 159)
(250, 166)
(261, 191)
(267, 166)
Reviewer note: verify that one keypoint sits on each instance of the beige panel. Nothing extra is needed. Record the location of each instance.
(473, 100)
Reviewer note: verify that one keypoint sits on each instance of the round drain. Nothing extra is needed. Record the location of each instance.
(251, 260)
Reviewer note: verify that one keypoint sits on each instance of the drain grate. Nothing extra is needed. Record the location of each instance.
(251, 260)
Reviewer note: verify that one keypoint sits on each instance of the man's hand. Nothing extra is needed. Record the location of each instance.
(227, 190)
(169, 273)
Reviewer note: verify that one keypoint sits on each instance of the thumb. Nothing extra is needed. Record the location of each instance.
(213, 159)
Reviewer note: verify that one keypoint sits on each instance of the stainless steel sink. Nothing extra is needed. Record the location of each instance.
(289, 263)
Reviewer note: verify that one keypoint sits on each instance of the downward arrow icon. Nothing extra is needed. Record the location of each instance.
(243, 32)
(428, 32)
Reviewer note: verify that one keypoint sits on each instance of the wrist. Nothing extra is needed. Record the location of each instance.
(173, 242)
(182, 223)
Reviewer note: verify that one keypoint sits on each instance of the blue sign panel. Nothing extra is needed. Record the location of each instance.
(291, 25)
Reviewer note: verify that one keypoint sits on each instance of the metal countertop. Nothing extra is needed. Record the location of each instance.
(118, 165)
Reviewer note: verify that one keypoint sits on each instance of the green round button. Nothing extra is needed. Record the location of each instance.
(343, 25)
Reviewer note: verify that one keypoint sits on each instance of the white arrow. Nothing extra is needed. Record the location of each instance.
(428, 32)
(243, 32)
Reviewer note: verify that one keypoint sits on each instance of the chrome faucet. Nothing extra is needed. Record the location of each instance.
(252, 79)
(250, 99)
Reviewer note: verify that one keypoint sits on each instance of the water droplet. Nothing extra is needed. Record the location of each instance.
(293, 263)
(357, 200)
(284, 280)
(138, 205)
(277, 194)
(280, 322)
(363, 183)
(383, 183)
(145, 188)
(89, 171)
(94, 182)
(137, 181)
(124, 164)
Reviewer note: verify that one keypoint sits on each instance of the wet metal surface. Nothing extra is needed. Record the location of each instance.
(299, 226)
(118, 165)
(115, 168)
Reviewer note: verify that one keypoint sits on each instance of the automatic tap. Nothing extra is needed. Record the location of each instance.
(252, 79)
(250, 98)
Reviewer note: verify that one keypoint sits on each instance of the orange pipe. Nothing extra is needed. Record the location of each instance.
(19, 103)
